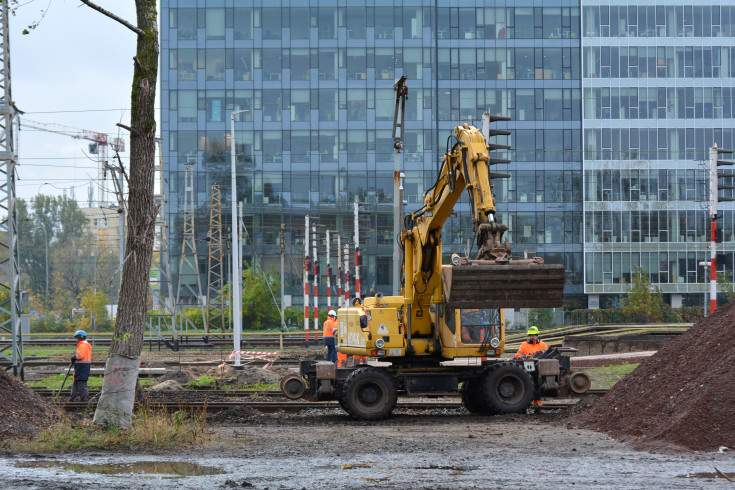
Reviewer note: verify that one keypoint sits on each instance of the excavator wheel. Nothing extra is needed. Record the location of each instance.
(472, 399)
(508, 388)
(369, 394)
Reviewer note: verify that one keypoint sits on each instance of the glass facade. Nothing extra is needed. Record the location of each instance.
(657, 93)
(612, 107)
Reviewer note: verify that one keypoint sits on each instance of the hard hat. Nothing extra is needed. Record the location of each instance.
(533, 331)
(80, 333)
(332, 313)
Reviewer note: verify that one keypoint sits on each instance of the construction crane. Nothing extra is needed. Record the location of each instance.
(100, 142)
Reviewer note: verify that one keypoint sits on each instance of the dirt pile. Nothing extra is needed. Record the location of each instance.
(22, 412)
(682, 397)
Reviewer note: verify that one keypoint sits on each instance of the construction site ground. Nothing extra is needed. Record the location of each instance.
(443, 448)
(325, 449)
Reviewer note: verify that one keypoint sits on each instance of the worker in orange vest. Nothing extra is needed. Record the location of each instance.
(330, 326)
(530, 347)
(341, 359)
(82, 361)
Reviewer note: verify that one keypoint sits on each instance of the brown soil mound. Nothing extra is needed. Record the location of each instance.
(22, 412)
(680, 398)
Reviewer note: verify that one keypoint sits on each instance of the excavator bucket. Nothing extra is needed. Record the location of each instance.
(506, 285)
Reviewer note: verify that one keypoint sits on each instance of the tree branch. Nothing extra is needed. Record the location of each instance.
(113, 17)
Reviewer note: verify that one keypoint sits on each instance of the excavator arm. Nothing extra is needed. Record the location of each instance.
(493, 279)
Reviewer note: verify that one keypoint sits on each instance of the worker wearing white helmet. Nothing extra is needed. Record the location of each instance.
(330, 328)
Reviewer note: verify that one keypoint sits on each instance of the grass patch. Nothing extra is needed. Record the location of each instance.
(264, 387)
(606, 376)
(204, 382)
(98, 352)
(54, 382)
(151, 431)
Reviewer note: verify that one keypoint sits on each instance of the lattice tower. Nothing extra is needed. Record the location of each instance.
(190, 285)
(215, 271)
(11, 307)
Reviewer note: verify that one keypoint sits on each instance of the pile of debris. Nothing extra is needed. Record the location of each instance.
(224, 375)
(682, 397)
(23, 413)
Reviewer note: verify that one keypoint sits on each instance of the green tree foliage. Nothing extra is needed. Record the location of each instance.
(542, 318)
(724, 284)
(258, 309)
(94, 305)
(646, 303)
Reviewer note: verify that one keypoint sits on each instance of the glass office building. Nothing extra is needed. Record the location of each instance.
(657, 93)
(611, 112)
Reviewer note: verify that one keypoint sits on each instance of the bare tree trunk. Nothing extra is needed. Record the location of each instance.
(115, 405)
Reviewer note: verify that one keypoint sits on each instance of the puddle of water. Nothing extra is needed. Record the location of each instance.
(175, 468)
(346, 466)
(705, 476)
(456, 469)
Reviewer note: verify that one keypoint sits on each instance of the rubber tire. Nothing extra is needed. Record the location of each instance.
(473, 400)
(508, 388)
(369, 394)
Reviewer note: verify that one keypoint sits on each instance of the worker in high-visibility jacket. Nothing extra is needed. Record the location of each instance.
(530, 347)
(82, 361)
(342, 359)
(330, 327)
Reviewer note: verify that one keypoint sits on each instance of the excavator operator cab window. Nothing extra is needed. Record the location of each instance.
(476, 323)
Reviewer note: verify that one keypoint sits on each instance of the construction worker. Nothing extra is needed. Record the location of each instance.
(82, 361)
(330, 326)
(530, 347)
(341, 359)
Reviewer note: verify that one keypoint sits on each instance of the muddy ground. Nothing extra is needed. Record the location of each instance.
(440, 450)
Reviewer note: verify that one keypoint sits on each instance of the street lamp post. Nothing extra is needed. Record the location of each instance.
(236, 278)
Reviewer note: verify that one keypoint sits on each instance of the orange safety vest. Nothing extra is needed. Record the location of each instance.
(341, 359)
(84, 351)
(329, 327)
(527, 348)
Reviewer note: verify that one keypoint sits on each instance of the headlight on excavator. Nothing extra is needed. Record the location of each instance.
(455, 259)
(380, 343)
(494, 342)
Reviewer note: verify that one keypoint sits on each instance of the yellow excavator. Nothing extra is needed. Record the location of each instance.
(445, 332)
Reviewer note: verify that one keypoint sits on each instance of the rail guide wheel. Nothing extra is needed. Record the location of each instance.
(293, 386)
(579, 382)
(369, 394)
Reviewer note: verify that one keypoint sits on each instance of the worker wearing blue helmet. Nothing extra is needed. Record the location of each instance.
(82, 361)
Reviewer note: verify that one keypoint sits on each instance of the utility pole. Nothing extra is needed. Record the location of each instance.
(316, 285)
(357, 253)
(339, 271)
(329, 274)
(283, 277)
(714, 188)
(306, 283)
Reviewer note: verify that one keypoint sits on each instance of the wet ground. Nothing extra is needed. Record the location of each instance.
(325, 449)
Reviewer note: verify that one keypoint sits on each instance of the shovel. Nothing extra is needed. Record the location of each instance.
(65, 378)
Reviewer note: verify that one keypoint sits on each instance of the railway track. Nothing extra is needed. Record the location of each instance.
(212, 406)
(295, 340)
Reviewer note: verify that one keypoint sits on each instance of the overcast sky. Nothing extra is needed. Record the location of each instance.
(75, 69)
